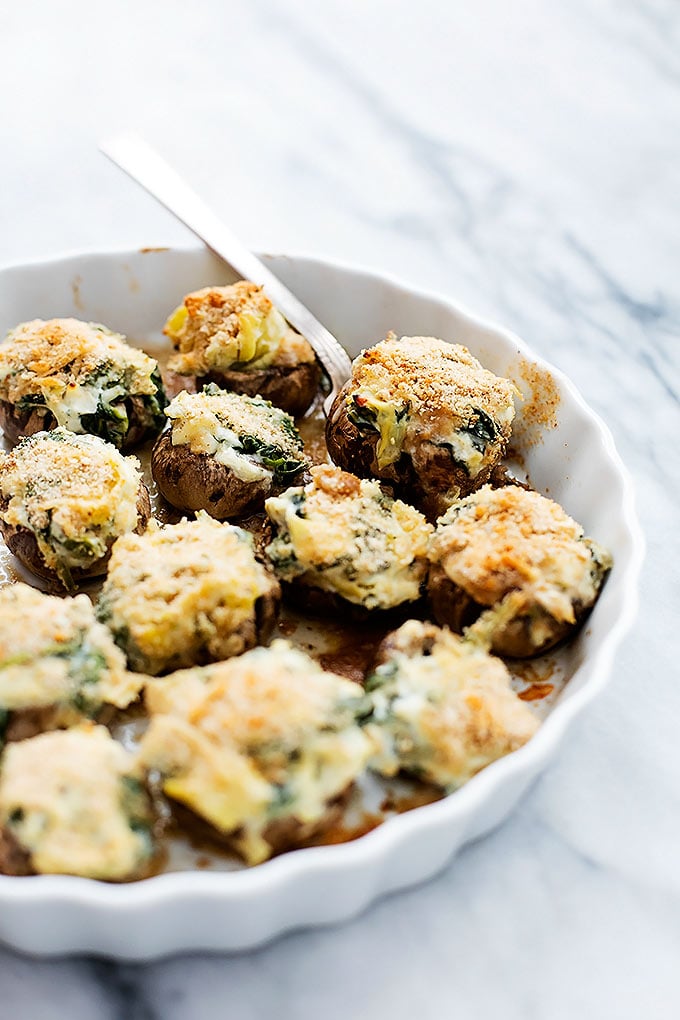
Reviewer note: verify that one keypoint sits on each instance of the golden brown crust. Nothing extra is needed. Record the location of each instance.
(23, 544)
(292, 388)
(196, 481)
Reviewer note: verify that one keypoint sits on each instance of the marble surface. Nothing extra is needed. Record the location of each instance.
(524, 158)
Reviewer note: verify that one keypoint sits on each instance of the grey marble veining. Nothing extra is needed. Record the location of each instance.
(524, 158)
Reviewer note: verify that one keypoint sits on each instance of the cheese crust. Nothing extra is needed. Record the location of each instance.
(420, 389)
(442, 707)
(184, 593)
(54, 653)
(345, 536)
(511, 540)
(220, 328)
(75, 493)
(246, 434)
(80, 371)
(74, 802)
(263, 738)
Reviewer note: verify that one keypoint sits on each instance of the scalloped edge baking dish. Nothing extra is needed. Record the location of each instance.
(575, 461)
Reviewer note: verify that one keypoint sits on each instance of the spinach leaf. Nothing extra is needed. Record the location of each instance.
(481, 429)
(363, 416)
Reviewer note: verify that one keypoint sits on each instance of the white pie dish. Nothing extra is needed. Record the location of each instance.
(571, 458)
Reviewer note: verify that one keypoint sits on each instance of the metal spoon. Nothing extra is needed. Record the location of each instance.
(144, 165)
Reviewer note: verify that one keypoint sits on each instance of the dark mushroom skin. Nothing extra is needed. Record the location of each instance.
(290, 387)
(452, 607)
(225, 452)
(317, 602)
(423, 477)
(17, 422)
(14, 860)
(23, 544)
(196, 481)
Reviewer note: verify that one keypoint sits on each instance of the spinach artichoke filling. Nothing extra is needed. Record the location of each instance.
(442, 707)
(99, 403)
(349, 538)
(74, 492)
(246, 434)
(467, 445)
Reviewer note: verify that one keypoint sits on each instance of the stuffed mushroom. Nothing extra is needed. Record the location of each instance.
(225, 452)
(261, 747)
(423, 415)
(234, 336)
(520, 561)
(341, 544)
(442, 707)
(64, 500)
(73, 803)
(81, 376)
(186, 594)
(57, 663)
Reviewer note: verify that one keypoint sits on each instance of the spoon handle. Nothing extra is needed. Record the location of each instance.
(144, 165)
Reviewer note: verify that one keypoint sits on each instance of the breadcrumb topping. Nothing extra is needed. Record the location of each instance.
(434, 379)
(52, 358)
(263, 738)
(219, 328)
(510, 539)
(183, 593)
(76, 493)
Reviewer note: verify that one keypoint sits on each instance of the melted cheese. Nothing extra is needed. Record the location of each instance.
(264, 737)
(442, 707)
(75, 493)
(64, 798)
(419, 389)
(343, 535)
(53, 652)
(182, 592)
(215, 422)
(219, 328)
(73, 367)
(498, 541)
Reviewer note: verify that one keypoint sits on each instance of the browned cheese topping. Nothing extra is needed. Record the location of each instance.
(497, 541)
(443, 707)
(344, 535)
(55, 358)
(76, 493)
(183, 592)
(420, 389)
(219, 328)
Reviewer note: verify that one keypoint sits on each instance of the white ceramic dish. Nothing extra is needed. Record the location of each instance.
(570, 455)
